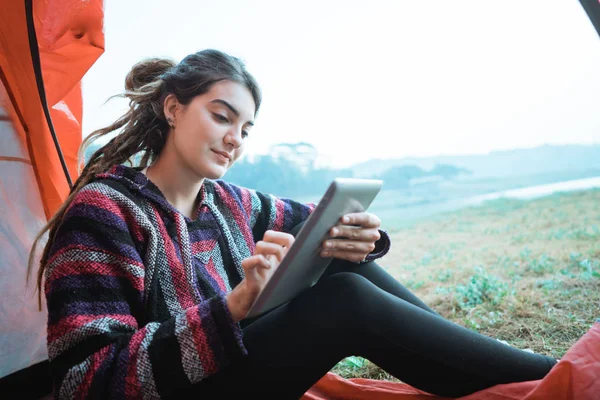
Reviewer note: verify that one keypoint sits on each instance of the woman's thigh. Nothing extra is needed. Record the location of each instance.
(379, 277)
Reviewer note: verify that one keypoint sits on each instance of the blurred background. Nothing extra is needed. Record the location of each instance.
(444, 101)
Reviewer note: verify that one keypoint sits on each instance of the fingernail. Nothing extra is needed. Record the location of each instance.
(345, 220)
(327, 244)
(335, 231)
(325, 254)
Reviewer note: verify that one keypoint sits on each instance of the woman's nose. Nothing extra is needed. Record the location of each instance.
(234, 138)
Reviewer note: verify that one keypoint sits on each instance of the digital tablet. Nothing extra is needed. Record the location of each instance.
(303, 265)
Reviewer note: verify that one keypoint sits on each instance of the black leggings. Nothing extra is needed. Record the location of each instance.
(362, 310)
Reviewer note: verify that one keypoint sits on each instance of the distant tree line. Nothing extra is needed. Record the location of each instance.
(291, 171)
(281, 177)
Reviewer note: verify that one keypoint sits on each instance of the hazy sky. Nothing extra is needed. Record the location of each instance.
(379, 79)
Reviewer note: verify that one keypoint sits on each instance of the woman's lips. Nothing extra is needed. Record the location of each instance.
(222, 156)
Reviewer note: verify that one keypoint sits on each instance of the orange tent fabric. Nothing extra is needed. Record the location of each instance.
(70, 39)
(575, 377)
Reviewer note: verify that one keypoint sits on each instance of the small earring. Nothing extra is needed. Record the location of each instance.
(171, 124)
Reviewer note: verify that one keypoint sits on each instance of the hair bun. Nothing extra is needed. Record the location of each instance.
(146, 72)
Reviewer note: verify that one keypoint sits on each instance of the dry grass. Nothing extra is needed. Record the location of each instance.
(527, 272)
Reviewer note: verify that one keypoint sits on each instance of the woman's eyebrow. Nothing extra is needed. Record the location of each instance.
(233, 110)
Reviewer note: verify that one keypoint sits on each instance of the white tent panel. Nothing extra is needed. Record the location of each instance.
(22, 325)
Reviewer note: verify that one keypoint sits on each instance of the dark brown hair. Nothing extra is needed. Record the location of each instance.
(144, 129)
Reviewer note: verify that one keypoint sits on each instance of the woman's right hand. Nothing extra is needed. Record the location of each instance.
(258, 269)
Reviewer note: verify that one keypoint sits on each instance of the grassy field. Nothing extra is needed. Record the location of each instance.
(527, 272)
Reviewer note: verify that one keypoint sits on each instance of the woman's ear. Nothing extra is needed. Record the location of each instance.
(170, 108)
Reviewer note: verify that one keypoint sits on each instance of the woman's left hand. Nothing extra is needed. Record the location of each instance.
(353, 238)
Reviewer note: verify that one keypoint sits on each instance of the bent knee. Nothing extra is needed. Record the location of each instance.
(346, 294)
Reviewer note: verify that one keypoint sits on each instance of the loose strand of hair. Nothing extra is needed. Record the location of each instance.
(129, 141)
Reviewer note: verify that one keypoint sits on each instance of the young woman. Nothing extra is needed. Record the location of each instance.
(149, 272)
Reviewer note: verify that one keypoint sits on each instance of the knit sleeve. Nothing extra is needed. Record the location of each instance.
(276, 213)
(382, 247)
(99, 343)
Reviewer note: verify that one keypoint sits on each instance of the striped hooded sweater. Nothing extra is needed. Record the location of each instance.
(136, 290)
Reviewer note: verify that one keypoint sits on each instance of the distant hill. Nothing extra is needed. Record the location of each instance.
(500, 164)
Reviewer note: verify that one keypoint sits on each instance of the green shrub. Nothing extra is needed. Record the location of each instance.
(481, 288)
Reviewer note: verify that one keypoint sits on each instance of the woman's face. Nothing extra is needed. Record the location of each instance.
(210, 131)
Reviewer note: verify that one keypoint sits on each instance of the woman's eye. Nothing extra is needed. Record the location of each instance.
(244, 134)
(221, 118)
